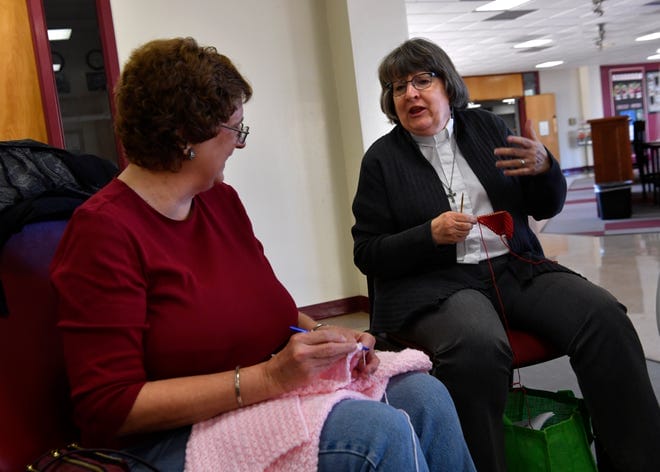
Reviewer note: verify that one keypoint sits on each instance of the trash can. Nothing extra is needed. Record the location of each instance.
(614, 199)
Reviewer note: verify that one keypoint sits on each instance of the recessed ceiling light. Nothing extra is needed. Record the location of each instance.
(545, 65)
(499, 5)
(533, 43)
(61, 34)
(649, 37)
(654, 57)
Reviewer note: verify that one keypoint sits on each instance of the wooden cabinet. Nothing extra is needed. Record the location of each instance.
(493, 87)
(612, 149)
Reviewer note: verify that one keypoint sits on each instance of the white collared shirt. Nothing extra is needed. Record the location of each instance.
(455, 173)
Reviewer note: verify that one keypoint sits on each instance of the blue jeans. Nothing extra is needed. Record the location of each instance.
(362, 435)
(418, 430)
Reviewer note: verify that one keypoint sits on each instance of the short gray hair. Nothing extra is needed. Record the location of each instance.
(419, 55)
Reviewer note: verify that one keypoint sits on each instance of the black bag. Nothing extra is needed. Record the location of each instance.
(74, 458)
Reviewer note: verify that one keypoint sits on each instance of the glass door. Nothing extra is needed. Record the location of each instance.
(80, 77)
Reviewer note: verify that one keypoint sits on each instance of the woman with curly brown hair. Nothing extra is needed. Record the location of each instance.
(176, 331)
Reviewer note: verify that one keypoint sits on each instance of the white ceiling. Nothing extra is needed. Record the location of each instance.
(479, 46)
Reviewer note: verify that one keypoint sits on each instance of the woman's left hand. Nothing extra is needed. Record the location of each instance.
(528, 157)
(363, 365)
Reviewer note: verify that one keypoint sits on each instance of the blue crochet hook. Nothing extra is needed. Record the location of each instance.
(303, 330)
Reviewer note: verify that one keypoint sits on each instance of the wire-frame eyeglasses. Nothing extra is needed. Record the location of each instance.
(420, 82)
(241, 133)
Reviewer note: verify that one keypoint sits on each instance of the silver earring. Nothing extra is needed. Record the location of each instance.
(191, 154)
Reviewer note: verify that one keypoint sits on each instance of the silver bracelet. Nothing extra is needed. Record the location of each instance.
(318, 325)
(237, 386)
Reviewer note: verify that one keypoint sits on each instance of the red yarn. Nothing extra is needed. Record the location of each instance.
(499, 223)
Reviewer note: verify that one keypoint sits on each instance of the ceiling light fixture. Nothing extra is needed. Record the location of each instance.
(500, 5)
(61, 34)
(532, 43)
(600, 41)
(654, 57)
(649, 37)
(598, 7)
(546, 65)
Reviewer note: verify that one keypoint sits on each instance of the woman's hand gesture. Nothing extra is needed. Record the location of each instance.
(528, 157)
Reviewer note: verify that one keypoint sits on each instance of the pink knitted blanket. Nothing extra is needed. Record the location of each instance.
(283, 434)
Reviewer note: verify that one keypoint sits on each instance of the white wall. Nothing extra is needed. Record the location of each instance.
(377, 27)
(578, 99)
(291, 176)
(591, 96)
(564, 84)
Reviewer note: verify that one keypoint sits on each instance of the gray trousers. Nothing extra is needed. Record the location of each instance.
(472, 357)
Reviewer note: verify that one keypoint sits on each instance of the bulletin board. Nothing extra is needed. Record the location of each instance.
(627, 92)
(653, 91)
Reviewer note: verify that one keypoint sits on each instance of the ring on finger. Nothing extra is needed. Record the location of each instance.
(522, 163)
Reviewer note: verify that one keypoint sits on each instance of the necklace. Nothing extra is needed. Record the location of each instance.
(451, 195)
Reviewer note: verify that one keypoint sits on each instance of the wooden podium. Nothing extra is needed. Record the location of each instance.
(613, 170)
(612, 149)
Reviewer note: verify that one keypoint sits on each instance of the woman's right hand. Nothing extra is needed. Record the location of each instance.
(306, 356)
(451, 227)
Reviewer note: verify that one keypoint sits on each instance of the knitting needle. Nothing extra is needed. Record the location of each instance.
(303, 330)
(462, 195)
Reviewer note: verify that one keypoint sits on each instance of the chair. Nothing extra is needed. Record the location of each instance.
(641, 157)
(653, 149)
(657, 304)
(35, 411)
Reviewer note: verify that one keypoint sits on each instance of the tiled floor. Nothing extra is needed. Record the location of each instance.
(626, 265)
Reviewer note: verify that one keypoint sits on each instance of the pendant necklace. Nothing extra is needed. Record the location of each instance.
(451, 195)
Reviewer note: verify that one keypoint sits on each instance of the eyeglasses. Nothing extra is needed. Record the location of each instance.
(241, 133)
(420, 82)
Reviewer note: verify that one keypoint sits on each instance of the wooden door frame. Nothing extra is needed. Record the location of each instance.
(42, 53)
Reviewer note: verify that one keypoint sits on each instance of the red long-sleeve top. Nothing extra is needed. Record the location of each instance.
(143, 297)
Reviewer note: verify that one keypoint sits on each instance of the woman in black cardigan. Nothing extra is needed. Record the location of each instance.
(416, 237)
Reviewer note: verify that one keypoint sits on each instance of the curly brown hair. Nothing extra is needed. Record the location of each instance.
(417, 55)
(172, 93)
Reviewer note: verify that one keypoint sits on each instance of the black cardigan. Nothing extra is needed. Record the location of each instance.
(398, 195)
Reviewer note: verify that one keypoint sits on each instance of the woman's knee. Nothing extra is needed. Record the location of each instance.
(476, 352)
(369, 433)
(426, 401)
(603, 319)
(478, 339)
(421, 395)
